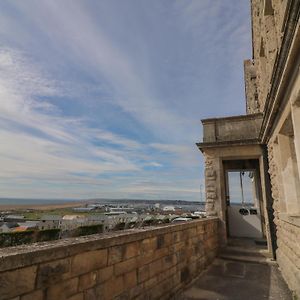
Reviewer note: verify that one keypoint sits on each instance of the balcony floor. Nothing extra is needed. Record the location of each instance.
(236, 280)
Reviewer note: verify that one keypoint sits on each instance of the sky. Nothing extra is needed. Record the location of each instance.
(103, 98)
(236, 192)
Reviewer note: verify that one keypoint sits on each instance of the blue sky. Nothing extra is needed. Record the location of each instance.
(104, 98)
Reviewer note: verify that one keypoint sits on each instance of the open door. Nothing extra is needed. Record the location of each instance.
(243, 205)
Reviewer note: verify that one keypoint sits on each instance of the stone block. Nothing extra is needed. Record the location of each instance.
(146, 258)
(176, 278)
(150, 282)
(181, 255)
(185, 274)
(177, 247)
(192, 232)
(52, 272)
(130, 280)
(17, 282)
(149, 244)
(155, 267)
(36, 295)
(169, 261)
(132, 250)
(116, 254)
(90, 294)
(89, 261)
(143, 273)
(79, 296)
(168, 239)
(159, 253)
(135, 291)
(105, 274)
(163, 275)
(62, 290)
(160, 241)
(160, 289)
(87, 281)
(193, 268)
(177, 237)
(123, 296)
(125, 266)
(111, 288)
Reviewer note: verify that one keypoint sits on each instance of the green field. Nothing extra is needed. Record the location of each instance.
(37, 214)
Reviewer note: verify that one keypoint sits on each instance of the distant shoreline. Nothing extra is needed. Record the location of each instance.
(47, 204)
(41, 206)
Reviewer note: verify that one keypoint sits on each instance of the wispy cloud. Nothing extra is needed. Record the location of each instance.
(103, 98)
(37, 141)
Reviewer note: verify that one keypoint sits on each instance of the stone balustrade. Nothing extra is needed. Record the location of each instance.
(150, 263)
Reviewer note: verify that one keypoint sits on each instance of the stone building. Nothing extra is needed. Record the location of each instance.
(265, 142)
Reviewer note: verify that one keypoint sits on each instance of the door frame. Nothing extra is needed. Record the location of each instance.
(258, 190)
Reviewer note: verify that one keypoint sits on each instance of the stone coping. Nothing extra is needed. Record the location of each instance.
(242, 142)
(30, 254)
(233, 118)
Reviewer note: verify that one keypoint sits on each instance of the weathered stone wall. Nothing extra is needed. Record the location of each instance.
(287, 227)
(134, 264)
(252, 103)
(288, 252)
(267, 33)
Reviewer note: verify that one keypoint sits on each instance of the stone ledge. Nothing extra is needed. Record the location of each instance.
(233, 118)
(241, 142)
(290, 218)
(27, 255)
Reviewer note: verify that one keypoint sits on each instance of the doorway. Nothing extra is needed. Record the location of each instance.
(244, 213)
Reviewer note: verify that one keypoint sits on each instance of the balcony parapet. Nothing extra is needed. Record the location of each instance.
(154, 262)
(225, 131)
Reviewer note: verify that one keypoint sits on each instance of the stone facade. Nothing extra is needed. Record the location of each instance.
(272, 86)
(133, 264)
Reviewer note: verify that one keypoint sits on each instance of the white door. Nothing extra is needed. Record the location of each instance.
(243, 211)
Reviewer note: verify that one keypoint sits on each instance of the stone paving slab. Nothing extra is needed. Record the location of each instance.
(231, 280)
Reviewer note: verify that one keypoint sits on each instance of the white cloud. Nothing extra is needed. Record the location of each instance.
(154, 164)
(38, 143)
(88, 46)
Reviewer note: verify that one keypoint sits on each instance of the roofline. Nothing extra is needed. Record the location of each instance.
(238, 117)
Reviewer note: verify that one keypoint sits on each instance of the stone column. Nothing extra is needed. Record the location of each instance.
(295, 109)
(274, 173)
(210, 186)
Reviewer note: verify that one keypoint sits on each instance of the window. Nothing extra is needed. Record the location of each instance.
(288, 167)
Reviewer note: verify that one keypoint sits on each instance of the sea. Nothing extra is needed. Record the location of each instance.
(186, 205)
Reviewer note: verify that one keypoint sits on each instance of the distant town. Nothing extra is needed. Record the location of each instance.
(29, 224)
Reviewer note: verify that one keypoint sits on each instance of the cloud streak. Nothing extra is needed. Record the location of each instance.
(104, 98)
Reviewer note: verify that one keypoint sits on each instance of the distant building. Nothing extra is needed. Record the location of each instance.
(8, 227)
(83, 209)
(14, 218)
(70, 222)
(72, 217)
(49, 222)
(29, 224)
(169, 208)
